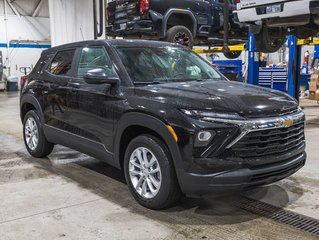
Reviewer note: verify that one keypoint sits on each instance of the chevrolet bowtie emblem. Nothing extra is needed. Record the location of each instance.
(288, 123)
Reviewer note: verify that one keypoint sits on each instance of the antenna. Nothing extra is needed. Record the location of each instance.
(82, 33)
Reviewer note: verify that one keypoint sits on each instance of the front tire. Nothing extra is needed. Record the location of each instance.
(181, 35)
(150, 173)
(33, 135)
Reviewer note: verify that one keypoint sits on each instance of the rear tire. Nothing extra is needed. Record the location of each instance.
(181, 35)
(33, 135)
(269, 40)
(150, 173)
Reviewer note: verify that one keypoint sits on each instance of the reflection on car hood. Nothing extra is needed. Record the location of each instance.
(223, 96)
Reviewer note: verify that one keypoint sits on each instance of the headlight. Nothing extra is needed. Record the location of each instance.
(212, 115)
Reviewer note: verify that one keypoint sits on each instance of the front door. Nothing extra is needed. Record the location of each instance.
(90, 106)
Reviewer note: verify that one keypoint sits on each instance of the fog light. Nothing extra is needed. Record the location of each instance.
(204, 136)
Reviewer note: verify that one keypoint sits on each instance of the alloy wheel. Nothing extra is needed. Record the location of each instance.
(145, 172)
(182, 38)
(31, 133)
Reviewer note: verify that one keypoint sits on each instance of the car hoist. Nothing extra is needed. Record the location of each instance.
(294, 62)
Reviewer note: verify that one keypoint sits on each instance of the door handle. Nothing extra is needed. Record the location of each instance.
(74, 85)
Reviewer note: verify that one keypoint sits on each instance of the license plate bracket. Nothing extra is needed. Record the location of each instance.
(123, 26)
(273, 9)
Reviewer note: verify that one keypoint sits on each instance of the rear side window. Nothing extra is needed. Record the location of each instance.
(62, 62)
(40, 66)
(92, 58)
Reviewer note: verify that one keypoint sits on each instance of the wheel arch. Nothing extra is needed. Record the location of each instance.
(142, 123)
(28, 103)
(185, 12)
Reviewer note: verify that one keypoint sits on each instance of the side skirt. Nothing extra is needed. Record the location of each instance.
(78, 143)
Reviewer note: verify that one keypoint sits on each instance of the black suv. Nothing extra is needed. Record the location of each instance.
(163, 115)
(199, 22)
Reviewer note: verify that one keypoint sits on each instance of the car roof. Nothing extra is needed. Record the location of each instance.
(112, 42)
(139, 43)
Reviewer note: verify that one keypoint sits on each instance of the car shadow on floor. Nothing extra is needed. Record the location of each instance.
(313, 123)
(109, 183)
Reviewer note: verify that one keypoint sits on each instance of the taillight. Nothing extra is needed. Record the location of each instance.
(144, 6)
(23, 79)
(237, 1)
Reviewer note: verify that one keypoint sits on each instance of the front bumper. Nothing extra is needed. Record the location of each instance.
(241, 178)
(220, 168)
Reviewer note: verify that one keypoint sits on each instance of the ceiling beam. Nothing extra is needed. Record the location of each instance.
(37, 8)
(16, 12)
(20, 10)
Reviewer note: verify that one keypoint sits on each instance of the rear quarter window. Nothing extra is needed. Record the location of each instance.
(40, 66)
(62, 62)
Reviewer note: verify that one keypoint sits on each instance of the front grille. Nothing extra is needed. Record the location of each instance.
(269, 142)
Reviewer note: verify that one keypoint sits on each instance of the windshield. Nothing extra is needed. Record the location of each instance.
(164, 65)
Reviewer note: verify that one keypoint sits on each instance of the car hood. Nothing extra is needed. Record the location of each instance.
(221, 96)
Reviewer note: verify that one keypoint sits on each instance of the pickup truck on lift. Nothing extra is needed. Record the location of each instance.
(272, 20)
(193, 22)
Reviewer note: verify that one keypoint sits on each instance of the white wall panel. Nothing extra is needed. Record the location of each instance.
(22, 28)
(71, 21)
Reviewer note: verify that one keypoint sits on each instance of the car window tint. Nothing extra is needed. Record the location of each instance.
(62, 62)
(39, 67)
(92, 58)
(166, 64)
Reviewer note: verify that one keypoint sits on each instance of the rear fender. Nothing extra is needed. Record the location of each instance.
(179, 11)
(28, 98)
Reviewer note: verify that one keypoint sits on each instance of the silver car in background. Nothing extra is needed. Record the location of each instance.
(272, 20)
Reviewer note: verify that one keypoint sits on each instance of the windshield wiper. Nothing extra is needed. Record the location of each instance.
(147, 83)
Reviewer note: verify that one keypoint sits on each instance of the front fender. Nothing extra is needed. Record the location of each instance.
(154, 124)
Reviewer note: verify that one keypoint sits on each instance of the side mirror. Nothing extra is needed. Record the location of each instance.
(99, 76)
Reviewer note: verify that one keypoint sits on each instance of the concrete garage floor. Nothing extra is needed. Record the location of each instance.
(73, 196)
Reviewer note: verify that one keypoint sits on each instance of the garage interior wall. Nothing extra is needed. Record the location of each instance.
(71, 21)
(24, 33)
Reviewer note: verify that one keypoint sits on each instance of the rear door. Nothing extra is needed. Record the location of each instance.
(217, 8)
(58, 73)
(91, 107)
(217, 11)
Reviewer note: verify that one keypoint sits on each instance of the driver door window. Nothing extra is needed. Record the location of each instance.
(92, 58)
